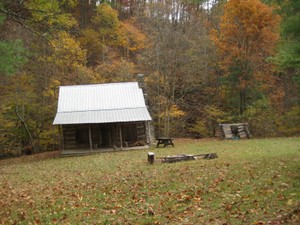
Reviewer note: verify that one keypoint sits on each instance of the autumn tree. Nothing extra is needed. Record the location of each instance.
(247, 36)
(40, 54)
(108, 38)
(176, 63)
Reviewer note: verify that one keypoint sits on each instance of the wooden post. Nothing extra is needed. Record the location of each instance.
(90, 138)
(148, 134)
(121, 138)
(61, 138)
(100, 136)
(109, 136)
(150, 157)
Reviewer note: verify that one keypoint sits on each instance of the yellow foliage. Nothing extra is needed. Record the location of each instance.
(214, 113)
(90, 39)
(92, 42)
(132, 38)
(212, 116)
(68, 53)
(49, 137)
(113, 32)
(51, 12)
(175, 112)
(116, 71)
(106, 18)
(200, 128)
(52, 89)
(107, 24)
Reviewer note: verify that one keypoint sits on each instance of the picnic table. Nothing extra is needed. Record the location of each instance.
(165, 141)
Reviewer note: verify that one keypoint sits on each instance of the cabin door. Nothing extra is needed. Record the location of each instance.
(106, 136)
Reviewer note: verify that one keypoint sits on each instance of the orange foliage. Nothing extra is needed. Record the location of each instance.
(247, 35)
(133, 38)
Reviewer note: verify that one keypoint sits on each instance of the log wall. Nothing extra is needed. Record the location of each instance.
(104, 135)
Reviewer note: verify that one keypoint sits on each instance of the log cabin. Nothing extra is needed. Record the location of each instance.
(101, 117)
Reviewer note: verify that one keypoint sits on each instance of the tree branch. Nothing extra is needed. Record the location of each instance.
(19, 19)
(27, 129)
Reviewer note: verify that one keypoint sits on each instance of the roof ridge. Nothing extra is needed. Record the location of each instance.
(104, 84)
(95, 110)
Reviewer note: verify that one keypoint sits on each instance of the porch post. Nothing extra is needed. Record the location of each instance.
(148, 132)
(90, 138)
(61, 138)
(121, 138)
(100, 136)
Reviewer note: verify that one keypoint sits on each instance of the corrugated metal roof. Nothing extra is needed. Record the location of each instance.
(101, 103)
(104, 116)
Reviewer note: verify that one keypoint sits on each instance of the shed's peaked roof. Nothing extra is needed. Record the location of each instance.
(101, 103)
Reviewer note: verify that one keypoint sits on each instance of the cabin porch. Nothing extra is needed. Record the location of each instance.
(90, 138)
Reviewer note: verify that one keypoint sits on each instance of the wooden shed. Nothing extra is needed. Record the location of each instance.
(102, 117)
(231, 131)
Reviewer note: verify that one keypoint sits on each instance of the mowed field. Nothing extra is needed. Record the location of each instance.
(253, 181)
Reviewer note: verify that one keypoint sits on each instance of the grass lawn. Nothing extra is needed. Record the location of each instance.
(252, 182)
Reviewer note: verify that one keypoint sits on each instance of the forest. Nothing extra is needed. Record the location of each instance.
(204, 62)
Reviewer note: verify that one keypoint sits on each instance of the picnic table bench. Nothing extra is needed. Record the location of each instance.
(165, 141)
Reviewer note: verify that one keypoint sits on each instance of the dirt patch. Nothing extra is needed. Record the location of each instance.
(30, 158)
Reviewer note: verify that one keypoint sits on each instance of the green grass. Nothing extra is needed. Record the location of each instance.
(252, 182)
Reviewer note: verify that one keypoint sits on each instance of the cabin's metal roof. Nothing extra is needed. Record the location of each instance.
(101, 103)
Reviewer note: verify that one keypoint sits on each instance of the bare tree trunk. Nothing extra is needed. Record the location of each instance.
(242, 101)
(165, 104)
(158, 90)
(26, 128)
